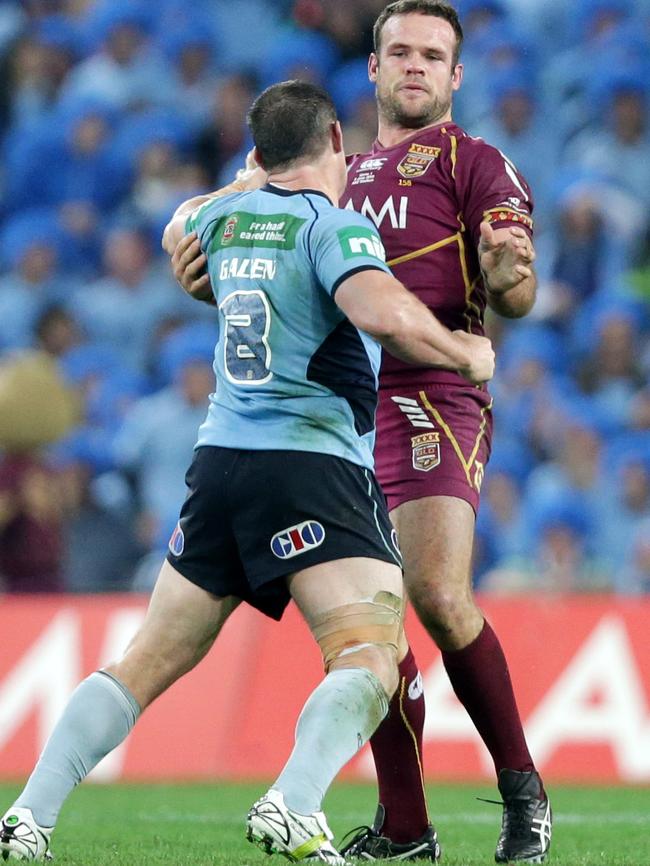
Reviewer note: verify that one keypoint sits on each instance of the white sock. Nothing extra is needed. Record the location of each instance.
(339, 717)
(100, 713)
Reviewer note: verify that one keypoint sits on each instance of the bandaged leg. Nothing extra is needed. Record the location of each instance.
(354, 628)
(359, 645)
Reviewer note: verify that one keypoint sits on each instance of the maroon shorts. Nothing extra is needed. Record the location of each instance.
(433, 442)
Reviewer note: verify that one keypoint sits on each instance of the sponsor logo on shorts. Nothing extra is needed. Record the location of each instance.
(177, 541)
(426, 451)
(417, 160)
(297, 539)
(416, 687)
(413, 411)
(395, 542)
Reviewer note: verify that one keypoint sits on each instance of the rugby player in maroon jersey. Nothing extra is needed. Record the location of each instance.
(455, 219)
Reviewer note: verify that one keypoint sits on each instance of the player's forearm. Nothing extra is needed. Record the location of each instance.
(516, 302)
(379, 304)
(417, 337)
(175, 228)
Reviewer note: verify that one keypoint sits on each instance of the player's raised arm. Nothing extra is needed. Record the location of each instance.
(381, 306)
(506, 256)
(188, 261)
(252, 176)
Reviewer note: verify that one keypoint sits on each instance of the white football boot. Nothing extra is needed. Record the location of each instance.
(21, 838)
(279, 830)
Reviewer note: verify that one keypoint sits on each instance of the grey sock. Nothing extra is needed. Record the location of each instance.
(100, 713)
(340, 715)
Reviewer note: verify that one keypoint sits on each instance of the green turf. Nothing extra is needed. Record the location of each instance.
(203, 824)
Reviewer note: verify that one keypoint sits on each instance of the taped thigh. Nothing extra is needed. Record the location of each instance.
(350, 627)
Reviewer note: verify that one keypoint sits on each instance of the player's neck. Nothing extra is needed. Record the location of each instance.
(389, 134)
(306, 177)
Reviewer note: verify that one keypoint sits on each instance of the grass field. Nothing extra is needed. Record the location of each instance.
(203, 824)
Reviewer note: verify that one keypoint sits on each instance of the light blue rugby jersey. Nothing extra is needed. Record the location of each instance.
(292, 372)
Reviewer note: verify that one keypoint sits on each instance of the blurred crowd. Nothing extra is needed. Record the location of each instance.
(114, 111)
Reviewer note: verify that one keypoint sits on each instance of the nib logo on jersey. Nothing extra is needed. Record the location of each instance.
(297, 539)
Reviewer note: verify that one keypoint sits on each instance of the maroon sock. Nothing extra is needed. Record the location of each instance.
(480, 677)
(397, 750)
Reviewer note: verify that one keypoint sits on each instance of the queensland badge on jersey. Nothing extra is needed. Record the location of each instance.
(417, 160)
(426, 451)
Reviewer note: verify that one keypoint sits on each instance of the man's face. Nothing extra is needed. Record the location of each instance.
(413, 72)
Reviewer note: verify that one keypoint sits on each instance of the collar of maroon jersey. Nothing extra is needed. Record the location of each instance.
(427, 130)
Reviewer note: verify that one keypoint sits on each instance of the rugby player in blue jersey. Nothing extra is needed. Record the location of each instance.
(282, 502)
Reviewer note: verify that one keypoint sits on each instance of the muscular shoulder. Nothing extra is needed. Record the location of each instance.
(206, 215)
(489, 186)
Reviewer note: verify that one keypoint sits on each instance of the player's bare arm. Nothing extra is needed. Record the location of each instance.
(251, 177)
(380, 305)
(506, 257)
(187, 260)
(189, 265)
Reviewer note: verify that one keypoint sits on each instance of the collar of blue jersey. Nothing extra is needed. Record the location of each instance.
(280, 190)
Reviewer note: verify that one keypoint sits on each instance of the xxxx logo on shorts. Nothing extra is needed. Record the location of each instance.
(426, 451)
(417, 160)
(297, 539)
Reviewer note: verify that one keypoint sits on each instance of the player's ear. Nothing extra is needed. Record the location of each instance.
(373, 66)
(457, 76)
(257, 156)
(337, 137)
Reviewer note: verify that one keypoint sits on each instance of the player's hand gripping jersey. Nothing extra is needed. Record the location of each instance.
(292, 372)
(428, 196)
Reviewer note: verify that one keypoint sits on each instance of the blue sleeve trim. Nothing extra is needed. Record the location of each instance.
(354, 271)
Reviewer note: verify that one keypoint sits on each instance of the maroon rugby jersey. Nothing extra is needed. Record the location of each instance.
(427, 196)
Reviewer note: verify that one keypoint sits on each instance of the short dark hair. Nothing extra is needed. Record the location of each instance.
(437, 8)
(291, 121)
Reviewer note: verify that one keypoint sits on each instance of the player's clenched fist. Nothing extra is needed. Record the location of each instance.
(480, 367)
(189, 267)
(506, 257)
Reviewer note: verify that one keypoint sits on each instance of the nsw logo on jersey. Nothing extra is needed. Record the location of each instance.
(297, 539)
(417, 160)
(229, 229)
(359, 241)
